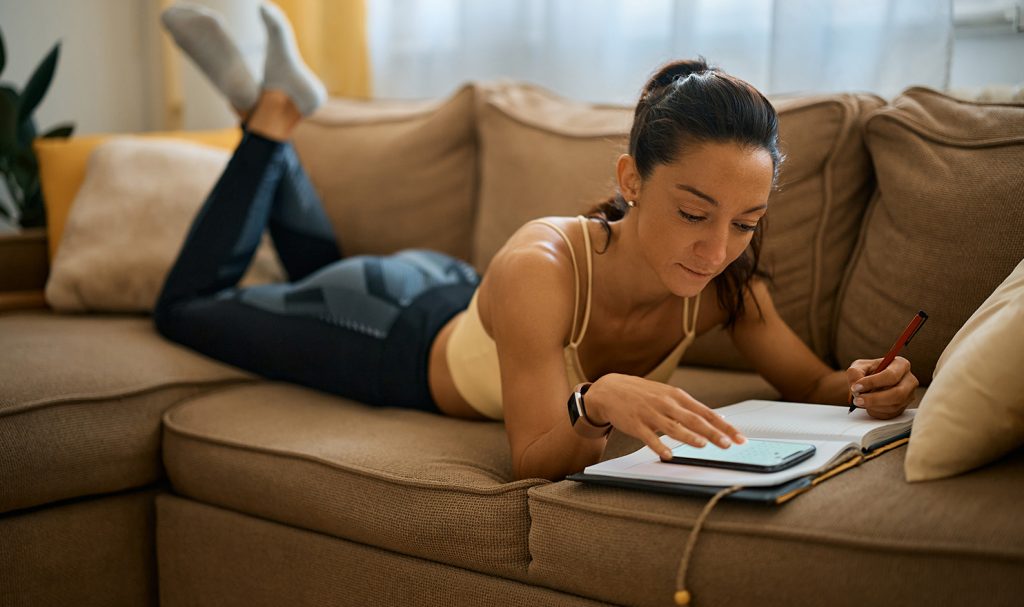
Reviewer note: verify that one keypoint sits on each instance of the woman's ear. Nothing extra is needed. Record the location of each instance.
(628, 177)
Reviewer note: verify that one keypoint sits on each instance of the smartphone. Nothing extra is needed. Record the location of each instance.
(755, 455)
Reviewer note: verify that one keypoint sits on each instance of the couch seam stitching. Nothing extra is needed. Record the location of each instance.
(135, 391)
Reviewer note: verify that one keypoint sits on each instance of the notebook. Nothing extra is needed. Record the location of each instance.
(842, 440)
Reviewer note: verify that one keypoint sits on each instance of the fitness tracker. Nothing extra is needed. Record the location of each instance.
(578, 415)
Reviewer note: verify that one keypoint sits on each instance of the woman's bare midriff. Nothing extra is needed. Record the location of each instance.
(442, 388)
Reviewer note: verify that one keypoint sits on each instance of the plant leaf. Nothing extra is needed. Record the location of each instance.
(38, 83)
(26, 159)
(8, 120)
(61, 130)
(34, 213)
(26, 133)
(22, 174)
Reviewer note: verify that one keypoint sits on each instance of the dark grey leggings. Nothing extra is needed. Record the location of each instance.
(360, 327)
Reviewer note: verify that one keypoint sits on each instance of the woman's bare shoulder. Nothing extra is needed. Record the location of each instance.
(535, 262)
(541, 227)
(537, 237)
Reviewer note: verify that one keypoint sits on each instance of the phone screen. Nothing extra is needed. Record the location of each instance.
(754, 455)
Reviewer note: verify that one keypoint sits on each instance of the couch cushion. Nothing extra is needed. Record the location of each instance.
(545, 155)
(394, 174)
(945, 228)
(81, 400)
(864, 537)
(403, 480)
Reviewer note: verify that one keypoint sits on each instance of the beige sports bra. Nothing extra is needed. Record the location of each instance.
(473, 356)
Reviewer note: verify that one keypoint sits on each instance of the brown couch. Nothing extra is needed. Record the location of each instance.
(135, 471)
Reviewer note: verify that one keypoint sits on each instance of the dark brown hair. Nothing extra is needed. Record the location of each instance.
(687, 103)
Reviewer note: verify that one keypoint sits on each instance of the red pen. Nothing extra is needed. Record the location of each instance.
(908, 334)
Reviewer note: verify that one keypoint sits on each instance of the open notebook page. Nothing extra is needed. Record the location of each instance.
(774, 419)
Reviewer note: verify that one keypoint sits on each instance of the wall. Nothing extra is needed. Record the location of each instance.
(101, 80)
(981, 58)
(110, 76)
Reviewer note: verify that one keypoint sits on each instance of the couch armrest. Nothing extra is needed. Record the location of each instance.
(21, 300)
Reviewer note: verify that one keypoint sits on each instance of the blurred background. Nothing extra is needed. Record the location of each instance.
(118, 71)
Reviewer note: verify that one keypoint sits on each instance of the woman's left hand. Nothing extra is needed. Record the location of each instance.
(886, 394)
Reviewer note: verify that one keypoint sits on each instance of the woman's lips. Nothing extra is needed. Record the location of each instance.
(695, 273)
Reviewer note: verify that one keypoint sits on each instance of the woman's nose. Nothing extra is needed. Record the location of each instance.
(712, 249)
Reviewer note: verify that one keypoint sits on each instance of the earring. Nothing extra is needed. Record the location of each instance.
(630, 203)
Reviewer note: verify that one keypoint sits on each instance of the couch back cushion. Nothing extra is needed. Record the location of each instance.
(944, 228)
(813, 220)
(540, 154)
(545, 155)
(395, 174)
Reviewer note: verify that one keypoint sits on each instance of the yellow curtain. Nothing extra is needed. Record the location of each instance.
(333, 41)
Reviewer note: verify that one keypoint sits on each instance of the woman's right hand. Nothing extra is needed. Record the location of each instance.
(642, 408)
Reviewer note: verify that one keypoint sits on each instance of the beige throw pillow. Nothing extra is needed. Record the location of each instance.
(974, 411)
(129, 220)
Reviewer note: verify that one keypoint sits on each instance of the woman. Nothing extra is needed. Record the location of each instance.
(597, 309)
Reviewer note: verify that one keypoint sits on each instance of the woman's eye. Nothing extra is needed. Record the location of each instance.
(742, 227)
(691, 218)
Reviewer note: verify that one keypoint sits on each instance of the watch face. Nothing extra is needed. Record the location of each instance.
(575, 410)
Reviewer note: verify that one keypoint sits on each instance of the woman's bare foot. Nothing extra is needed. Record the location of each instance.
(274, 116)
(243, 116)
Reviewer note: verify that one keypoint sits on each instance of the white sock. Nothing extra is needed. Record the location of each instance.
(200, 32)
(284, 69)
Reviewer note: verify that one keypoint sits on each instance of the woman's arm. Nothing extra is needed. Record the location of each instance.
(780, 356)
(531, 313)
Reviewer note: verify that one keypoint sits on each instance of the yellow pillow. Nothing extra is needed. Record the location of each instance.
(973, 413)
(62, 165)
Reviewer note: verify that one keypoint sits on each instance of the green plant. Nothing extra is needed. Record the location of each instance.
(18, 165)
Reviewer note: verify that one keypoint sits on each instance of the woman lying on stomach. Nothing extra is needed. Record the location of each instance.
(602, 305)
